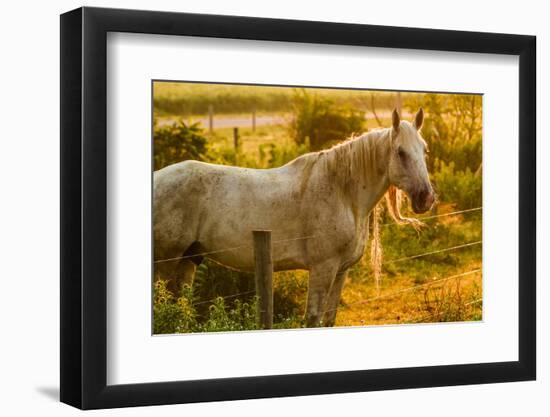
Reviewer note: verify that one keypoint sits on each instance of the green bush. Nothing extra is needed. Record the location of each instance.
(180, 315)
(242, 316)
(172, 315)
(178, 142)
(321, 122)
(461, 188)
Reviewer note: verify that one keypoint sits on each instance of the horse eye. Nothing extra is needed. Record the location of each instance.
(402, 154)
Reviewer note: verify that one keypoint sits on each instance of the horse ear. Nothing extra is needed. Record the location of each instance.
(395, 120)
(419, 119)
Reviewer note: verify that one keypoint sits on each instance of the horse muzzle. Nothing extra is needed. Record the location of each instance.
(423, 200)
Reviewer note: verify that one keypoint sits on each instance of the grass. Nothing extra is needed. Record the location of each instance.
(250, 142)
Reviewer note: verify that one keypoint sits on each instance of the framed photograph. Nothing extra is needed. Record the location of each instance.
(257, 208)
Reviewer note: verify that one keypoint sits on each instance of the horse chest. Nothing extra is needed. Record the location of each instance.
(359, 242)
(343, 240)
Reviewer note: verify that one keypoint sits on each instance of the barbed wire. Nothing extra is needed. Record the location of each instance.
(232, 248)
(365, 301)
(299, 238)
(386, 262)
(432, 252)
(453, 213)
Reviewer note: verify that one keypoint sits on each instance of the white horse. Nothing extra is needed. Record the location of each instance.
(317, 207)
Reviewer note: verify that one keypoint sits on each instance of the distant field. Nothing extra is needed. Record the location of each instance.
(184, 99)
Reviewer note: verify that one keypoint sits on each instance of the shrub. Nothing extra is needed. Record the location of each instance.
(452, 128)
(213, 280)
(169, 315)
(223, 319)
(321, 122)
(449, 302)
(273, 155)
(462, 188)
(178, 142)
(289, 295)
(180, 315)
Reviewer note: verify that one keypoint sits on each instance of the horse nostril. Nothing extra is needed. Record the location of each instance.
(425, 198)
(430, 199)
(422, 195)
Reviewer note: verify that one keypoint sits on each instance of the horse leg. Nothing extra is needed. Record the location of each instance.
(184, 271)
(333, 299)
(320, 278)
(183, 275)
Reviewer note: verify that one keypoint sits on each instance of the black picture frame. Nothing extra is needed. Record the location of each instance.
(84, 207)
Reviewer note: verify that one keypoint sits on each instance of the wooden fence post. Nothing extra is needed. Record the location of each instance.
(236, 138)
(210, 118)
(236, 144)
(263, 277)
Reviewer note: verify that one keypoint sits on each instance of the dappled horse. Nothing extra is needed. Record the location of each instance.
(317, 207)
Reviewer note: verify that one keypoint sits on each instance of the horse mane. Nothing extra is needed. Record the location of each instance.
(351, 160)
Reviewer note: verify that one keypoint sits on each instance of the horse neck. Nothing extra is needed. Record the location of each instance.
(360, 167)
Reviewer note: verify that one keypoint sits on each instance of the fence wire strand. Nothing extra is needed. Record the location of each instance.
(465, 245)
(177, 258)
(453, 213)
(224, 297)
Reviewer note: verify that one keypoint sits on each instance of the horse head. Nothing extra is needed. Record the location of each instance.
(407, 164)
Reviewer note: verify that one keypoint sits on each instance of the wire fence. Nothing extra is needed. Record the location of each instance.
(406, 258)
(177, 258)
(391, 261)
